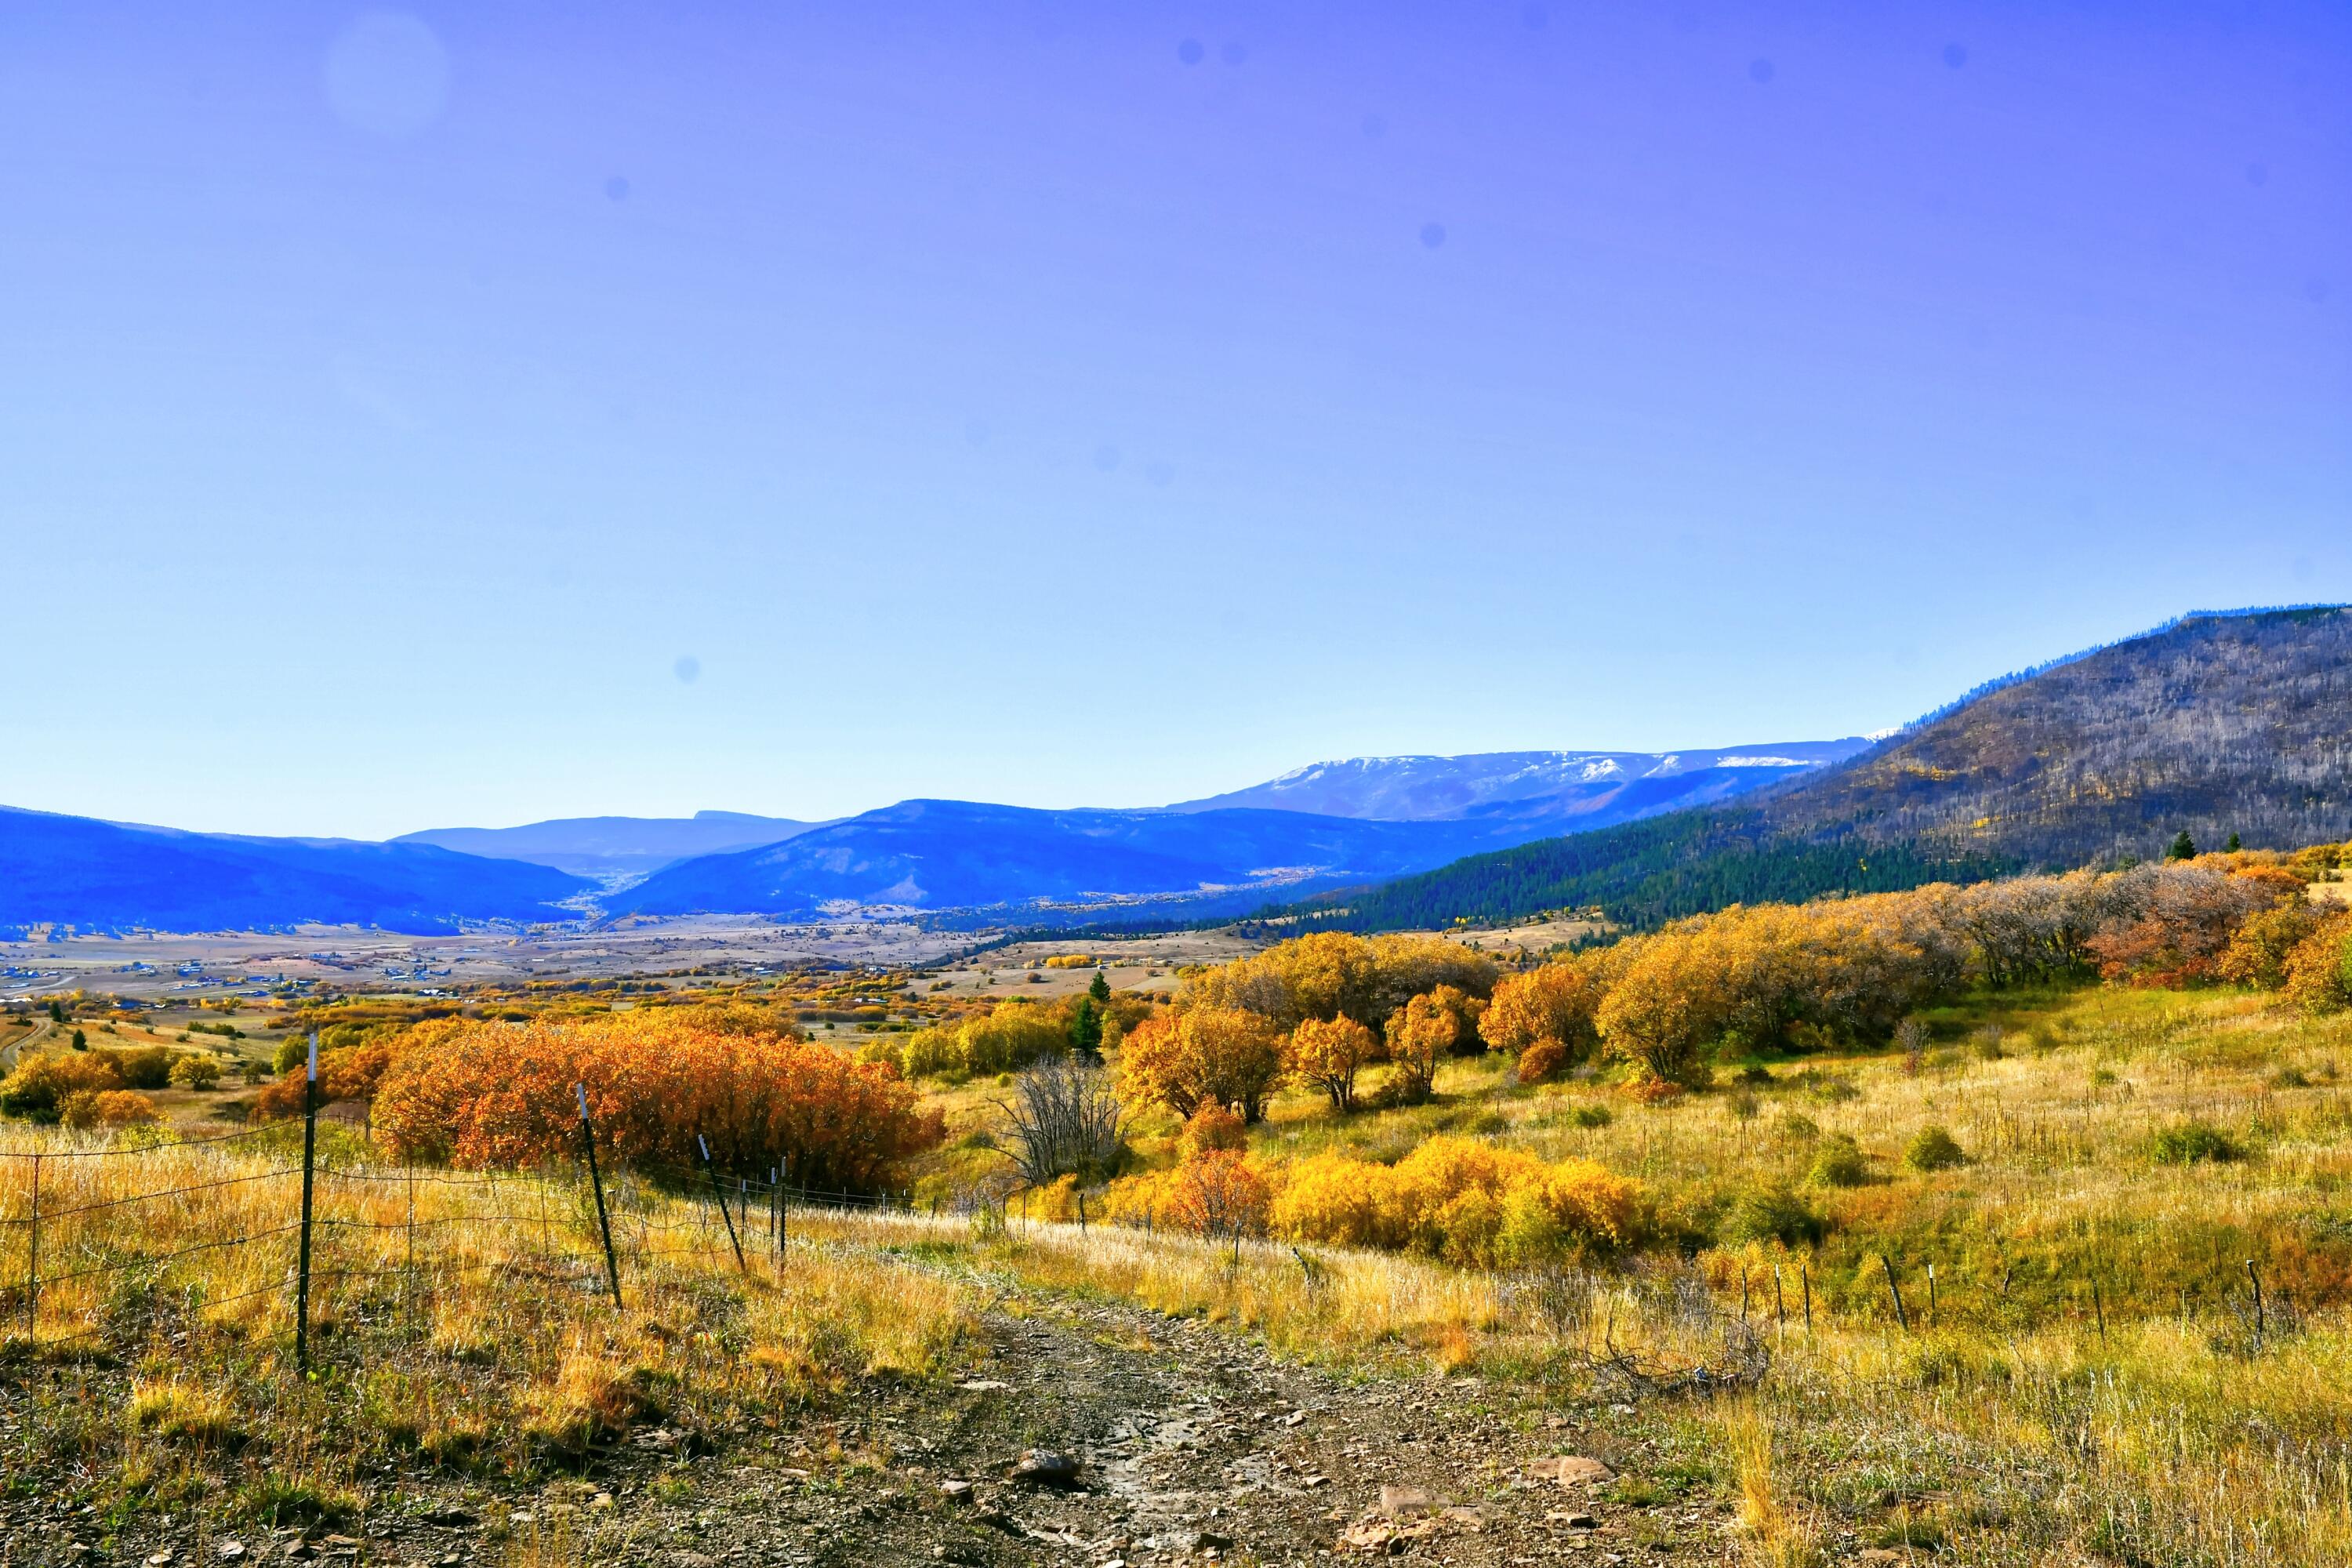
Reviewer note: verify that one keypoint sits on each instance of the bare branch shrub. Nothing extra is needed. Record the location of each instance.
(1065, 1119)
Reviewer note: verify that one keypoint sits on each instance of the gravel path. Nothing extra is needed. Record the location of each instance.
(1191, 1446)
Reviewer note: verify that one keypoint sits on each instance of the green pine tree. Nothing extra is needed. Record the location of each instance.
(1086, 1027)
(2182, 847)
(56, 1013)
(1100, 988)
(80, 1041)
(2233, 846)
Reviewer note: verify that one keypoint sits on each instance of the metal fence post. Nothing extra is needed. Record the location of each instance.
(309, 1163)
(596, 1181)
(33, 1266)
(725, 1212)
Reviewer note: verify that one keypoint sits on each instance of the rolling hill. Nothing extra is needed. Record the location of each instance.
(948, 854)
(76, 870)
(2219, 723)
(613, 847)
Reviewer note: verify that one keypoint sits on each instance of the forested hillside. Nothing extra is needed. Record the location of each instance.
(2218, 724)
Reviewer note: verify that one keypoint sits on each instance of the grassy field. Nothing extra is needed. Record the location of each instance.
(2078, 1371)
(2085, 1379)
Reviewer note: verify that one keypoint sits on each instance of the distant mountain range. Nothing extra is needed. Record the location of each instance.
(953, 853)
(1323, 825)
(2215, 723)
(77, 871)
(1331, 824)
(615, 847)
(2219, 723)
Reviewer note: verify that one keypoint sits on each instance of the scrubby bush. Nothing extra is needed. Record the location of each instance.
(1773, 1214)
(1934, 1149)
(1592, 1116)
(352, 1072)
(1838, 1162)
(2319, 972)
(2193, 1142)
(1542, 1060)
(1464, 1200)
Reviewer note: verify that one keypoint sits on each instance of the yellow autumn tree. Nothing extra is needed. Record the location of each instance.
(1329, 1053)
(1556, 1002)
(1419, 1033)
(1202, 1056)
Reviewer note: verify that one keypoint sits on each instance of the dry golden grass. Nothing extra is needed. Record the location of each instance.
(2085, 1382)
(458, 1320)
(2086, 1388)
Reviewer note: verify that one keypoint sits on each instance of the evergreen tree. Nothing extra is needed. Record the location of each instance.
(1085, 1027)
(2182, 847)
(2233, 846)
(56, 1013)
(1100, 989)
(80, 1041)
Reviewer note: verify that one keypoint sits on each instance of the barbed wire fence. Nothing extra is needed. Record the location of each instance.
(262, 1229)
(262, 1225)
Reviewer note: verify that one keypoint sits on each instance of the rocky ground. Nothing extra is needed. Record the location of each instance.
(1148, 1440)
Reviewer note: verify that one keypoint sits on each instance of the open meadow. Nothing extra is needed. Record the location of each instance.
(2018, 1268)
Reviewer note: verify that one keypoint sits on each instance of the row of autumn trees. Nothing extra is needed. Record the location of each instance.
(1770, 978)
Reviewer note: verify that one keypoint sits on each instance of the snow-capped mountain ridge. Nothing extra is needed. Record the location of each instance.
(1608, 786)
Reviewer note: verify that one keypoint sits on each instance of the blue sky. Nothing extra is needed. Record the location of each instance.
(476, 414)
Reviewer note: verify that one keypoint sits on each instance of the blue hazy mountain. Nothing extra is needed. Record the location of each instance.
(609, 846)
(1333, 823)
(953, 853)
(80, 871)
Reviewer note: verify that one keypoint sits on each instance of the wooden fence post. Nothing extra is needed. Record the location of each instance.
(1895, 1290)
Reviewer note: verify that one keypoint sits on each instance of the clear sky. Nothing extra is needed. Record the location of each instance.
(477, 413)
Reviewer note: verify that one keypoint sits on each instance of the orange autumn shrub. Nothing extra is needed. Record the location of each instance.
(351, 1073)
(1212, 1127)
(1219, 1192)
(477, 1094)
(1541, 1060)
